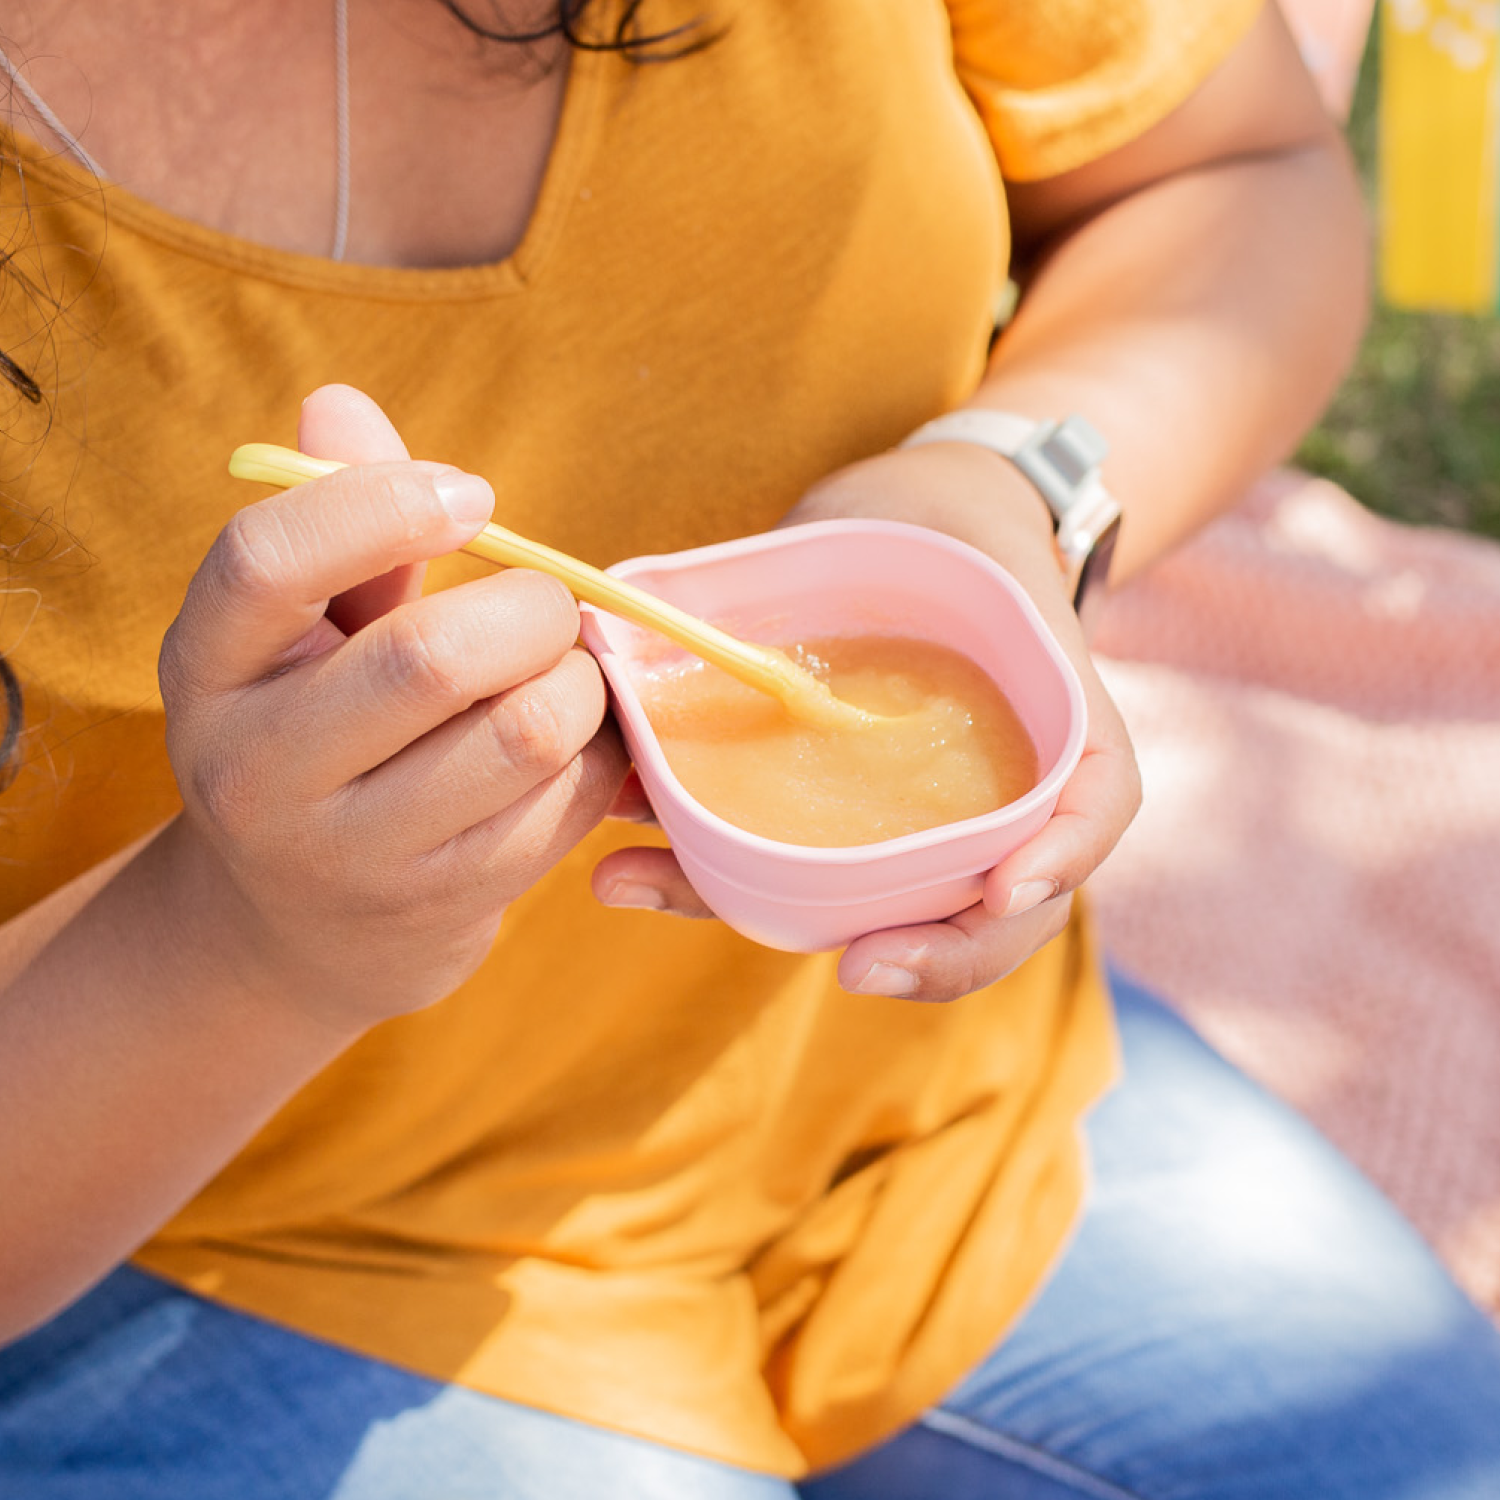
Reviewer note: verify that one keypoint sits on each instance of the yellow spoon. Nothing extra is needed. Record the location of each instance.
(803, 695)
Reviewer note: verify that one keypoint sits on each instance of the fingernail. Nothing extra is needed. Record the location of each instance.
(632, 893)
(466, 497)
(887, 979)
(1028, 894)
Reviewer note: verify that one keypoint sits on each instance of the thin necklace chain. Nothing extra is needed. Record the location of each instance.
(341, 149)
(44, 111)
(342, 152)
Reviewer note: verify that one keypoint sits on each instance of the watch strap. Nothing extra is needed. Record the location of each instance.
(1062, 460)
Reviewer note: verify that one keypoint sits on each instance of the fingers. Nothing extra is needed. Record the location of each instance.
(476, 765)
(938, 962)
(513, 849)
(269, 576)
(1026, 902)
(1098, 803)
(631, 805)
(417, 667)
(340, 422)
(647, 879)
(945, 960)
(376, 775)
(1027, 896)
(337, 421)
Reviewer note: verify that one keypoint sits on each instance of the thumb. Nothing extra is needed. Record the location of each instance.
(338, 421)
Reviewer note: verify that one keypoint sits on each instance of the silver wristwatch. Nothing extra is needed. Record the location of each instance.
(1062, 460)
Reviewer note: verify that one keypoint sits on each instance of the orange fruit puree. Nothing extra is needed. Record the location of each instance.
(952, 748)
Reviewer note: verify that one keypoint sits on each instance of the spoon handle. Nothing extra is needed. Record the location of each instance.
(758, 665)
(763, 667)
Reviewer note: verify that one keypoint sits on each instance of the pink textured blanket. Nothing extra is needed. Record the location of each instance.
(1314, 878)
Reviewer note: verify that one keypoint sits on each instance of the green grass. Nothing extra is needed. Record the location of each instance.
(1414, 431)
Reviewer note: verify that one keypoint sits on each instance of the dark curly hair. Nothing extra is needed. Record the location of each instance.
(628, 35)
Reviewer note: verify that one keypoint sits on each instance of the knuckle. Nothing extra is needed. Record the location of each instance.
(419, 658)
(379, 506)
(531, 732)
(174, 672)
(404, 507)
(252, 555)
(225, 793)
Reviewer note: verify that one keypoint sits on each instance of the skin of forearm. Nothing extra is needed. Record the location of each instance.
(127, 1084)
(1202, 367)
(155, 1014)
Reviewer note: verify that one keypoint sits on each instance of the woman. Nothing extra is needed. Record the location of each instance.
(445, 1162)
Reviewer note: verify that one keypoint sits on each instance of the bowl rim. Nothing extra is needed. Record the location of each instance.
(596, 627)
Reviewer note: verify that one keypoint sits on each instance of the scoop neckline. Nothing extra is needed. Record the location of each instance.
(573, 148)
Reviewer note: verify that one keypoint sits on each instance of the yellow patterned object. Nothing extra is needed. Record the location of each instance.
(1439, 142)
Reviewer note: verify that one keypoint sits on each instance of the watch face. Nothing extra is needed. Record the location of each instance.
(1093, 576)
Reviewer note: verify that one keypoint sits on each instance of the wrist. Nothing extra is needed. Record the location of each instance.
(222, 950)
(1062, 461)
(957, 488)
(996, 497)
(966, 492)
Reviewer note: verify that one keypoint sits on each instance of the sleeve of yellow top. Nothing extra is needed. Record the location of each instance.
(1059, 83)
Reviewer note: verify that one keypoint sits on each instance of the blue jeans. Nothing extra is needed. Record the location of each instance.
(1239, 1317)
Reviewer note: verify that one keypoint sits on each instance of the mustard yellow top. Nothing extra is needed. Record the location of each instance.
(638, 1170)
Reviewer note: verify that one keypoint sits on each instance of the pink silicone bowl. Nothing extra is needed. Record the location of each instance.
(843, 578)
